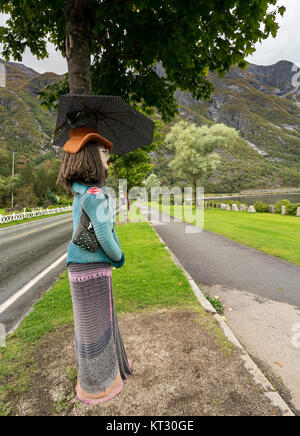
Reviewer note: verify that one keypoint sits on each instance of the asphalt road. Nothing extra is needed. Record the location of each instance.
(26, 250)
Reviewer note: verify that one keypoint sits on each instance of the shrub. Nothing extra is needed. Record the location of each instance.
(216, 303)
(49, 199)
(26, 198)
(160, 200)
(231, 202)
(65, 201)
(261, 207)
(279, 204)
(292, 208)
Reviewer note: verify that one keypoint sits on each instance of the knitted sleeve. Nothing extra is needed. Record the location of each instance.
(96, 206)
(116, 238)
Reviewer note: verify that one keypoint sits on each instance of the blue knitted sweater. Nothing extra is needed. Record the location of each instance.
(102, 217)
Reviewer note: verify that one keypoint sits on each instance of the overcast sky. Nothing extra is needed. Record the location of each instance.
(286, 46)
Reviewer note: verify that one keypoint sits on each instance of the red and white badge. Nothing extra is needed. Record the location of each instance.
(94, 190)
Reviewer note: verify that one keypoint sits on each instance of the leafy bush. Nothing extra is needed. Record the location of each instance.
(216, 303)
(65, 201)
(292, 208)
(172, 200)
(49, 198)
(279, 204)
(261, 207)
(215, 203)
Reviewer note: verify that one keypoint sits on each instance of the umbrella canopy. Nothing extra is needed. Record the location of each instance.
(127, 128)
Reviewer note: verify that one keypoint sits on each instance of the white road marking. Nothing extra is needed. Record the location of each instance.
(29, 285)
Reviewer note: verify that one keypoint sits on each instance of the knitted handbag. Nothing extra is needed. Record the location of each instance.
(85, 236)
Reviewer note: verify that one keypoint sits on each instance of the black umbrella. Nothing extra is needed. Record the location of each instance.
(127, 128)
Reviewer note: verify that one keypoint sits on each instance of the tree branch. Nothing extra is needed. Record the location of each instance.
(113, 52)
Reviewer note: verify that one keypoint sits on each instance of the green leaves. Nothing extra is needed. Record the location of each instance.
(128, 38)
(194, 146)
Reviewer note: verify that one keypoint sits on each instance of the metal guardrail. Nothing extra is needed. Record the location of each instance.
(18, 216)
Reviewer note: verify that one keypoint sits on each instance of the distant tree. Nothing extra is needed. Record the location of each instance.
(132, 166)
(195, 158)
(5, 162)
(151, 182)
(49, 199)
(25, 198)
(12, 183)
(44, 176)
(3, 193)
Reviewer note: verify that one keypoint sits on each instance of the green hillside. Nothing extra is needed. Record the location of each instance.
(26, 132)
(268, 118)
(260, 102)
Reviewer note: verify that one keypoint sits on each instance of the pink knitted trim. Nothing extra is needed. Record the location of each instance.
(101, 400)
(110, 301)
(86, 275)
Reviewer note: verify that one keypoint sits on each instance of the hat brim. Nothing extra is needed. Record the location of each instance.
(75, 144)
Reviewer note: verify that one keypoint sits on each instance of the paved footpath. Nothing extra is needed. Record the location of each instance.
(261, 293)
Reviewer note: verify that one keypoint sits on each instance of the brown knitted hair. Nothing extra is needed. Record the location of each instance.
(83, 167)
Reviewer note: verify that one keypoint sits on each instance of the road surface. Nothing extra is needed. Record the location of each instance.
(26, 250)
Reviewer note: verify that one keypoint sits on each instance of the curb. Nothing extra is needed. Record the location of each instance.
(250, 365)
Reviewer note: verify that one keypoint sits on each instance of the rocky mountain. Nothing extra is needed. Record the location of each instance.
(262, 102)
(24, 125)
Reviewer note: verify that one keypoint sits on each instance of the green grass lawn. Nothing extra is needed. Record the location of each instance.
(274, 234)
(149, 280)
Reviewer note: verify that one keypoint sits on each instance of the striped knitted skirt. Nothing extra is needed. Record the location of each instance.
(100, 355)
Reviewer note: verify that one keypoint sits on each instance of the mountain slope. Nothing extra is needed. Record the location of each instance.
(261, 103)
(24, 125)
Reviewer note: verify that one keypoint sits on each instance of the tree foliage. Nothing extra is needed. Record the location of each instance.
(128, 37)
(151, 182)
(195, 157)
(31, 182)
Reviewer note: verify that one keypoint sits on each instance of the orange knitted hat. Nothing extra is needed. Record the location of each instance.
(80, 136)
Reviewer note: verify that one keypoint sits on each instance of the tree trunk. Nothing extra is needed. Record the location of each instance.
(116, 174)
(195, 193)
(78, 37)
